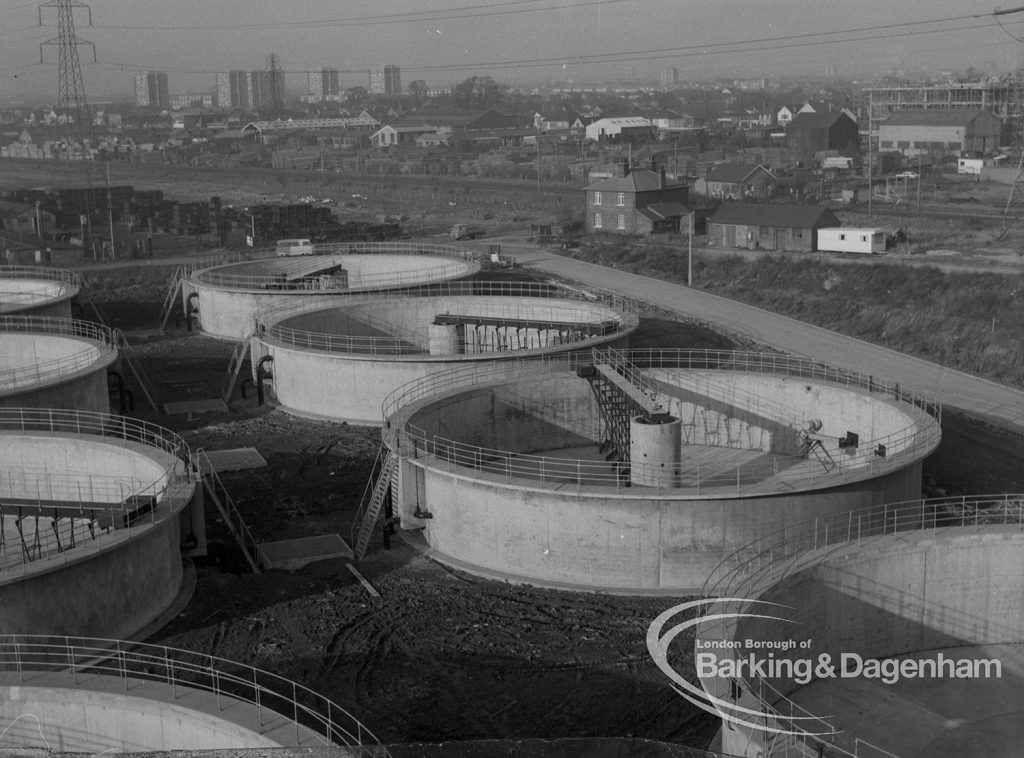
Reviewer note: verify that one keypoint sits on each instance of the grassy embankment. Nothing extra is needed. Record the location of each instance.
(971, 322)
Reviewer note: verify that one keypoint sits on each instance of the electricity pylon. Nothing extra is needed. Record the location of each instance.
(71, 101)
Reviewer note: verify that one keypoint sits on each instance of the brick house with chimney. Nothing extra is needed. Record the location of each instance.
(636, 201)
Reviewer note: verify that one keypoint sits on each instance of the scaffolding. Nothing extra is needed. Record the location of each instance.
(1003, 97)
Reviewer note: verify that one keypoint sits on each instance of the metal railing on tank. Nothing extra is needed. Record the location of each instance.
(695, 477)
(34, 373)
(77, 661)
(749, 570)
(48, 514)
(42, 273)
(506, 301)
(270, 280)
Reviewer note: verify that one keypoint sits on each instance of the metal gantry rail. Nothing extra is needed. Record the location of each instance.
(81, 659)
(698, 478)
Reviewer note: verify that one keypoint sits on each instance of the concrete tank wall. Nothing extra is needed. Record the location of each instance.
(600, 539)
(227, 310)
(110, 594)
(91, 721)
(48, 371)
(352, 388)
(884, 596)
(566, 532)
(87, 391)
(66, 463)
(36, 297)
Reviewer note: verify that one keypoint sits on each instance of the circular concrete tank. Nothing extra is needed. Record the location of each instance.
(37, 291)
(513, 471)
(100, 695)
(91, 515)
(918, 607)
(225, 297)
(55, 363)
(340, 362)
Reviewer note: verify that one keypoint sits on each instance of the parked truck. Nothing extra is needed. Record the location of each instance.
(466, 232)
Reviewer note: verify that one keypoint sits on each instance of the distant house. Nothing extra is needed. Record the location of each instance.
(769, 227)
(809, 133)
(388, 136)
(940, 131)
(637, 201)
(23, 218)
(786, 113)
(734, 181)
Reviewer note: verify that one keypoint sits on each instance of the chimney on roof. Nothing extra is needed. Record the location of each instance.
(661, 178)
(622, 167)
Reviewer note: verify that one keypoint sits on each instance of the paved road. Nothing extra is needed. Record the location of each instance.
(954, 389)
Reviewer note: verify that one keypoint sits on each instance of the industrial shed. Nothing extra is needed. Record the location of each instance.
(791, 228)
(940, 131)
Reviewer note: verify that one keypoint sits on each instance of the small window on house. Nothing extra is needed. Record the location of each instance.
(597, 198)
(842, 236)
(903, 145)
(798, 234)
(622, 221)
(863, 238)
(620, 199)
(886, 143)
(952, 145)
(597, 221)
(765, 231)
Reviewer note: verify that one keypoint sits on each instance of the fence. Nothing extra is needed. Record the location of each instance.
(457, 258)
(36, 373)
(864, 461)
(746, 572)
(82, 658)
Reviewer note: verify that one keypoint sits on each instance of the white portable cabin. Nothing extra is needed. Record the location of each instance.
(850, 240)
(970, 165)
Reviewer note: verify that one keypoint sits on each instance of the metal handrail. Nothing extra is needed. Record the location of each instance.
(79, 657)
(773, 557)
(687, 477)
(41, 272)
(105, 426)
(504, 298)
(458, 258)
(21, 376)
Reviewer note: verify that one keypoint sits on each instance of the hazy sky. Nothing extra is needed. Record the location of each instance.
(514, 41)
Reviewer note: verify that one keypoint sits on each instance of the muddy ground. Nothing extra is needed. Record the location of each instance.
(442, 655)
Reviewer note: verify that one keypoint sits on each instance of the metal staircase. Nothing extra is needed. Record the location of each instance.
(621, 393)
(131, 360)
(238, 356)
(173, 293)
(378, 489)
(214, 487)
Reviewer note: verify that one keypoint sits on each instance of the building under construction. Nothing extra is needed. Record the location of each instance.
(1003, 96)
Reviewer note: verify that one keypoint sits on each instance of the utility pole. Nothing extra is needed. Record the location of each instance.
(689, 253)
(70, 88)
(110, 214)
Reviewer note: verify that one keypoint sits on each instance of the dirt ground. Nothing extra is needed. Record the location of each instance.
(442, 655)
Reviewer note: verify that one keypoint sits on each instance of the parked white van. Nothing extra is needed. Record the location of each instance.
(295, 247)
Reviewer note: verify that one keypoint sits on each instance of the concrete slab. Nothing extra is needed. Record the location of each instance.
(236, 459)
(291, 555)
(195, 406)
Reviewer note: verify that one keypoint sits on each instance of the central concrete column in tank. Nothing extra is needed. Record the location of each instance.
(655, 447)
(443, 339)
